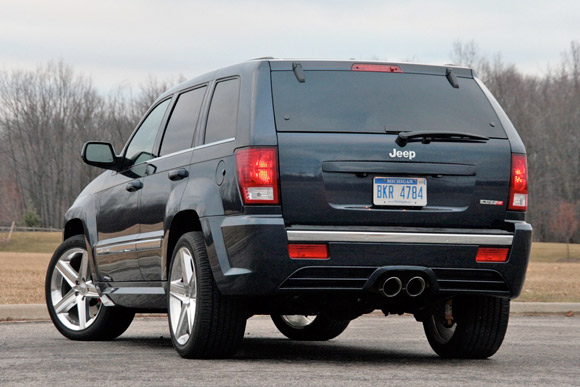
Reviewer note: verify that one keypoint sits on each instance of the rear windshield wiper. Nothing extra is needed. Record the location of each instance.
(404, 137)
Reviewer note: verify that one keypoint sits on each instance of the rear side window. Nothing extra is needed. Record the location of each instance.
(375, 102)
(181, 127)
(223, 112)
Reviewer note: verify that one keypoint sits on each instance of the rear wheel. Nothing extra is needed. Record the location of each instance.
(73, 302)
(309, 328)
(203, 323)
(467, 327)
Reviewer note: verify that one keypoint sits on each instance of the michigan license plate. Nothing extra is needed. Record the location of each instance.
(400, 191)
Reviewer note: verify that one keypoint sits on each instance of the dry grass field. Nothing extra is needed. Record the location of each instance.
(23, 262)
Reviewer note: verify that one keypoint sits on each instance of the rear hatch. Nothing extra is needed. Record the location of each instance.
(345, 161)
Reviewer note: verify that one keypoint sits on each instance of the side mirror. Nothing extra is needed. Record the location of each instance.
(100, 154)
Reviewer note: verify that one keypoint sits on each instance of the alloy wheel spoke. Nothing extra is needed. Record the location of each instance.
(83, 311)
(182, 325)
(92, 291)
(186, 269)
(190, 315)
(84, 269)
(68, 273)
(177, 290)
(66, 303)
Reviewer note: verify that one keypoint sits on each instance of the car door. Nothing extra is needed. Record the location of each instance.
(118, 205)
(166, 179)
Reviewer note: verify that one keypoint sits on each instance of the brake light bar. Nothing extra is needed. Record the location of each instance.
(490, 254)
(518, 200)
(258, 175)
(376, 68)
(308, 251)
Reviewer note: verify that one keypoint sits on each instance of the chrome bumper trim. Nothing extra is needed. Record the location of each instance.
(397, 237)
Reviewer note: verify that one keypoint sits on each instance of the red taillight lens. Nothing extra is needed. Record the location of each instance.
(308, 251)
(258, 175)
(376, 68)
(489, 254)
(519, 184)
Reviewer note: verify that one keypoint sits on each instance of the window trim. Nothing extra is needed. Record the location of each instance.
(225, 140)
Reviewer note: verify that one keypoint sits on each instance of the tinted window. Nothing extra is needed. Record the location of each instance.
(348, 101)
(141, 147)
(181, 127)
(223, 113)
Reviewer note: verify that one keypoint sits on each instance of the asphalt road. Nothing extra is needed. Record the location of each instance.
(374, 350)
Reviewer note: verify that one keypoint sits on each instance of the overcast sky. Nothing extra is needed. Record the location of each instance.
(118, 41)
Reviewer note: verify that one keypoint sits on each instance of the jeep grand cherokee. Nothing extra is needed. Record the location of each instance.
(311, 191)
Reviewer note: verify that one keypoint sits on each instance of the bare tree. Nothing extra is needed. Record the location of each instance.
(467, 54)
(44, 115)
(564, 223)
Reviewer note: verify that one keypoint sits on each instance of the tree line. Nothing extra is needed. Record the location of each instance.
(45, 116)
(48, 113)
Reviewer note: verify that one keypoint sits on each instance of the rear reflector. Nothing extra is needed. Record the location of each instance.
(376, 68)
(519, 184)
(258, 175)
(487, 254)
(308, 251)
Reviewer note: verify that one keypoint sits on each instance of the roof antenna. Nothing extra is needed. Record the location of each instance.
(298, 72)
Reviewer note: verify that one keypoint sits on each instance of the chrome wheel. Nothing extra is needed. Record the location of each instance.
(314, 327)
(182, 295)
(74, 297)
(298, 321)
(443, 331)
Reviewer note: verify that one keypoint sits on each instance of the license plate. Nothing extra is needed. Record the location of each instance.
(400, 191)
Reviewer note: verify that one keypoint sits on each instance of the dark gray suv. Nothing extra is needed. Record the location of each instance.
(312, 191)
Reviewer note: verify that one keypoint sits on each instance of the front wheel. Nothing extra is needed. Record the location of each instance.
(309, 328)
(73, 302)
(203, 323)
(467, 327)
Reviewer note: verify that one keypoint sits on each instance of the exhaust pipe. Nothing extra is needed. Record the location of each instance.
(415, 286)
(391, 287)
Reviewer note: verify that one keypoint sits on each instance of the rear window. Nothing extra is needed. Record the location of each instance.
(372, 102)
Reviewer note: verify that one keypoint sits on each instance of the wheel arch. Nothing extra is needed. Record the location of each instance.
(73, 227)
(183, 222)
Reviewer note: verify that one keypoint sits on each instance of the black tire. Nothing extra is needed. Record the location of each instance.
(69, 290)
(217, 323)
(309, 328)
(476, 331)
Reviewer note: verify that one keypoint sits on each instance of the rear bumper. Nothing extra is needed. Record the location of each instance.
(249, 257)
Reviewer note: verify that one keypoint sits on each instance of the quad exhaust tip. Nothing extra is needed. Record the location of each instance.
(415, 286)
(393, 286)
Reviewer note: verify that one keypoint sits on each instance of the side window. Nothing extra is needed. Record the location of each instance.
(181, 127)
(141, 147)
(223, 113)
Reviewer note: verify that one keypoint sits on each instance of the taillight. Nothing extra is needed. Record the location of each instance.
(490, 254)
(376, 68)
(519, 184)
(258, 175)
(308, 251)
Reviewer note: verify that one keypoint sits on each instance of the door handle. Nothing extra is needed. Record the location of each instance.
(134, 185)
(178, 174)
